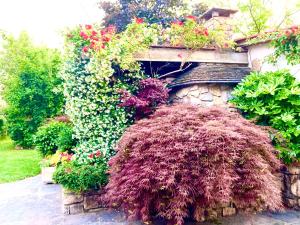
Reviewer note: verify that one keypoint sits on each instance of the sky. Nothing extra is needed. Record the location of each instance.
(45, 19)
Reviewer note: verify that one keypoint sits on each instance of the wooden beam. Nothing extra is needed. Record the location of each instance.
(201, 55)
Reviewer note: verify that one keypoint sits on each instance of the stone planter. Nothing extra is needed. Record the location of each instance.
(291, 186)
(74, 203)
(47, 174)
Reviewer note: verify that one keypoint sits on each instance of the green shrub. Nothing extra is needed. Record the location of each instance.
(53, 136)
(80, 177)
(2, 127)
(31, 86)
(273, 99)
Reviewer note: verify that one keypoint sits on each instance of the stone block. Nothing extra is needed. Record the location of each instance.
(194, 101)
(76, 208)
(203, 89)
(72, 198)
(182, 92)
(211, 214)
(194, 87)
(194, 93)
(295, 188)
(91, 202)
(206, 97)
(215, 90)
(228, 211)
(66, 209)
(294, 170)
(291, 203)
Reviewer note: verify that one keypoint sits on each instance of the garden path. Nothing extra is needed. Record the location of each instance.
(30, 202)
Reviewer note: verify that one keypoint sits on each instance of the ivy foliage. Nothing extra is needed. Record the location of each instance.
(31, 86)
(273, 99)
(93, 79)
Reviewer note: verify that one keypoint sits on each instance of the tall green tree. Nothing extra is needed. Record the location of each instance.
(121, 12)
(30, 78)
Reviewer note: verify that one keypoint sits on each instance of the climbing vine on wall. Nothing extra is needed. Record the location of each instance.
(287, 44)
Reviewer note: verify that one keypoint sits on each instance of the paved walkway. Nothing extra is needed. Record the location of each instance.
(30, 202)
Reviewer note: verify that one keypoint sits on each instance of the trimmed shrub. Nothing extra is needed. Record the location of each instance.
(80, 177)
(151, 93)
(53, 136)
(184, 160)
(273, 99)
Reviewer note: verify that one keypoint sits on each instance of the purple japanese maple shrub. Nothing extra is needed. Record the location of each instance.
(151, 93)
(184, 160)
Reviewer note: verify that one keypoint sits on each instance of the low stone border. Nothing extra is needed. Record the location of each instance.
(291, 187)
(74, 203)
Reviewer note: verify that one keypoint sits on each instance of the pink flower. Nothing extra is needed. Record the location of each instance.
(88, 27)
(85, 49)
(177, 22)
(206, 32)
(84, 35)
(194, 18)
(139, 20)
(91, 155)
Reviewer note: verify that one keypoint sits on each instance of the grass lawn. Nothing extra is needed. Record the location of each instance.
(17, 164)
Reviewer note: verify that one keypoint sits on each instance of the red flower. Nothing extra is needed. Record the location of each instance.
(288, 33)
(105, 39)
(85, 49)
(91, 155)
(111, 29)
(179, 55)
(139, 20)
(177, 22)
(88, 27)
(194, 18)
(84, 35)
(94, 33)
(206, 32)
(98, 153)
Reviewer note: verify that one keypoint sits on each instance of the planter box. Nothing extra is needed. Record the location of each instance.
(74, 203)
(291, 186)
(47, 174)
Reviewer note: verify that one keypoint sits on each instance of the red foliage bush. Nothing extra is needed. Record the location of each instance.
(152, 92)
(184, 160)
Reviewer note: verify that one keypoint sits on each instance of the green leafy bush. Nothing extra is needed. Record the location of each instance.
(2, 127)
(273, 99)
(31, 86)
(53, 136)
(80, 177)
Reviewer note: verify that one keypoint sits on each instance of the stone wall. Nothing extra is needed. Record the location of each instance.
(74, 203)
(291, 187)
(204, 95)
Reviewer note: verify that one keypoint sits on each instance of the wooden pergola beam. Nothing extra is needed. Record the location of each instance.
(165, 54)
